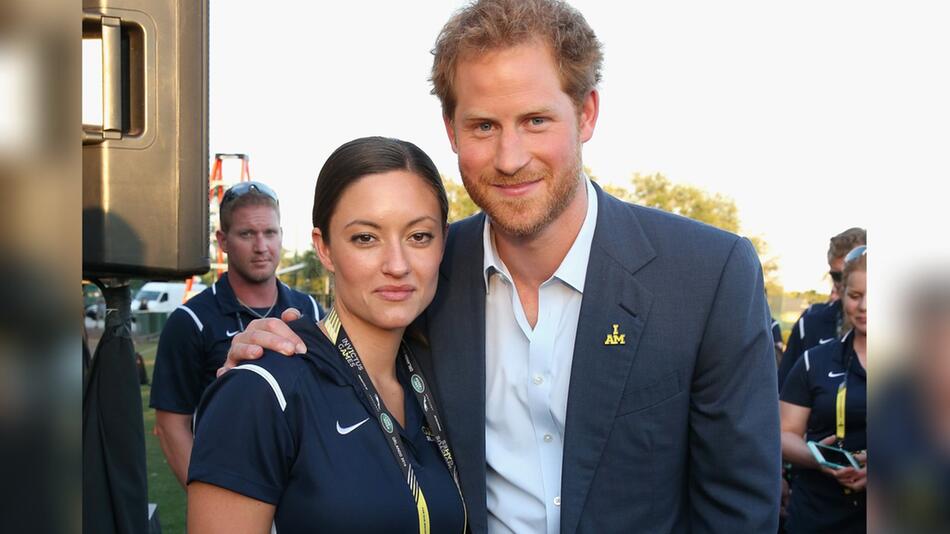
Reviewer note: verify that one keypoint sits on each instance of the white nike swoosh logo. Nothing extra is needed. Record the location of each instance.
(347, 430)
(823, 341)
(232, 334)
(834, 375)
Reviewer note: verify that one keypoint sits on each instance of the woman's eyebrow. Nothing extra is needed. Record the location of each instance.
(362, 222)
(420, 219)
(371, 224)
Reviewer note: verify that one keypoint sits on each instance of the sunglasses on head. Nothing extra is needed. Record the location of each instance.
(243, 188)
(855, 253)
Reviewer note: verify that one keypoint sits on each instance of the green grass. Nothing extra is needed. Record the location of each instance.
(163, 487)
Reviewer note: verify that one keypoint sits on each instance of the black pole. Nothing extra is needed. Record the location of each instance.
(115, 492)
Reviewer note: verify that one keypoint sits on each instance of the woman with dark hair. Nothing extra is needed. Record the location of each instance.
(346, 438)
(824, 399)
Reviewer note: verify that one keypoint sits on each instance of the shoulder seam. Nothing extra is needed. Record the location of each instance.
(715, 295)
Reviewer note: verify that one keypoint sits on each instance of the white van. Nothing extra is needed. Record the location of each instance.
(163, 296)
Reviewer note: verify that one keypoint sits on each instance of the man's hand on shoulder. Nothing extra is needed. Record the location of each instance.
(260, 334)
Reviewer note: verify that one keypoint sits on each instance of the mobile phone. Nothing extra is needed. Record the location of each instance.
(832, 457)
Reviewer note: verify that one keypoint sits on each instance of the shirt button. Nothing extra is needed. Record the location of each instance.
(557, 501)
(538, 380)
(548, 438)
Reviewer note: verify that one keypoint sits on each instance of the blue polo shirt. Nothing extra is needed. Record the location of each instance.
(299, 433)
(818, 325)
(818, 502)
(196, 339)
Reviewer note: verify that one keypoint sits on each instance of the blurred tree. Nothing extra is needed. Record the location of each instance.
(618, 191)
(310, 278)
(657, 191)
(809, 297)
(769, 262)
(590, 173)
(460, 204)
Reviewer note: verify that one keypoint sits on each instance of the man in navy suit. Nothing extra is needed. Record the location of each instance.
(602, 367)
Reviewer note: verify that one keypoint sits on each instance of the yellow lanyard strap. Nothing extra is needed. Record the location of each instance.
(839, 410)
(422, 508)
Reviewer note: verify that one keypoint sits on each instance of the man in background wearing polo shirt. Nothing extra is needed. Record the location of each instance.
(195, 341)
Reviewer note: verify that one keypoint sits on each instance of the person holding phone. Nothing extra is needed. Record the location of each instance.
(824, 400)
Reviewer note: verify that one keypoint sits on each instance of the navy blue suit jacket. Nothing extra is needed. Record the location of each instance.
(677, 430)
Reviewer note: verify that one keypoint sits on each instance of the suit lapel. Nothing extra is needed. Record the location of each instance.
(456, 330)
(614, 305)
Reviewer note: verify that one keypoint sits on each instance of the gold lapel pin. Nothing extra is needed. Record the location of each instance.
(616, 338)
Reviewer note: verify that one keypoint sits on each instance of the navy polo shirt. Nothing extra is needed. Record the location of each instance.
(196, 339)
(818, 502)
(818, 325)
(299, 433)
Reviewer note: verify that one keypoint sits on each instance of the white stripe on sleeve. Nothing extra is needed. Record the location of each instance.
(193, 316)
(265, 374)
(316, 309)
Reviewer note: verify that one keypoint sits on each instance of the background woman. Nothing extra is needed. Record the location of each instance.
(825, 399)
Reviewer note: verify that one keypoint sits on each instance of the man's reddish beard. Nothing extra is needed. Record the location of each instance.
(523, 176)
(536, 214)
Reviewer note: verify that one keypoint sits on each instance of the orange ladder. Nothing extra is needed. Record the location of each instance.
(216, 188)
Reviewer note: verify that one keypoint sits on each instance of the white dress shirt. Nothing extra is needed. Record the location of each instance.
(528, 372)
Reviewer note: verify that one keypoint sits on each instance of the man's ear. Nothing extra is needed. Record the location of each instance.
(322, 248)
(450, 131)
(587, 118)
(222, 240)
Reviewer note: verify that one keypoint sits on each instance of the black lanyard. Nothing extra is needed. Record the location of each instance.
(385, 419)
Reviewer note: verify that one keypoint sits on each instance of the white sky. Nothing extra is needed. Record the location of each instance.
(814, 116)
